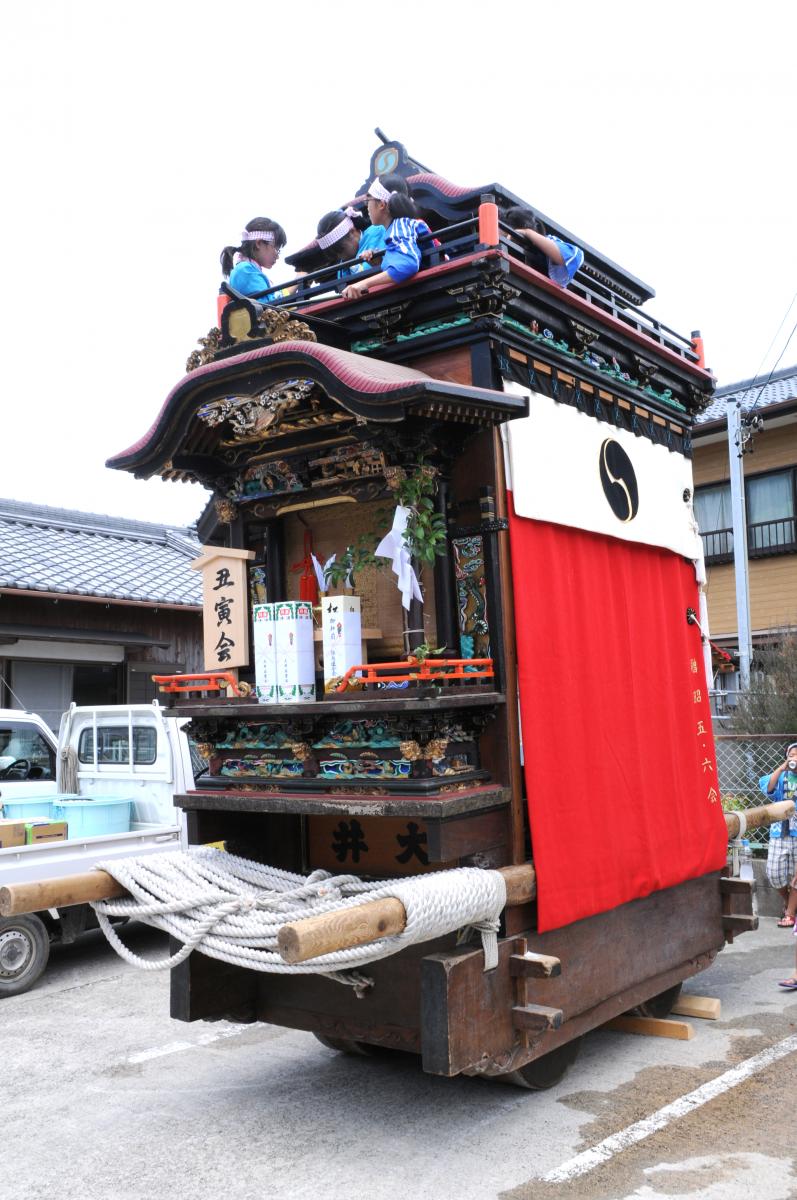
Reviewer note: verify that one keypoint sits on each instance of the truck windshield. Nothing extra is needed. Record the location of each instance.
(24, 753)
(113, 745)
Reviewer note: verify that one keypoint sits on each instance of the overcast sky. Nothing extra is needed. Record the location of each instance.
(139, 139)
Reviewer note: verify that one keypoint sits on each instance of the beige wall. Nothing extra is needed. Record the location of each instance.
(773, 448)
(773, 581)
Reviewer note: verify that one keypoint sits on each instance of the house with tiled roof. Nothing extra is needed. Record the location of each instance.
(770, 470)
(91, 606)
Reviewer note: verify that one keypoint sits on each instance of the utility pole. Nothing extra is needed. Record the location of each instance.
(737, 438)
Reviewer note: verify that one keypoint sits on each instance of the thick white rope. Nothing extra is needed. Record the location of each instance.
(233, 909)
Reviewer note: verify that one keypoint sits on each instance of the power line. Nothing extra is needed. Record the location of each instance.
(772, 372)
(769, 347)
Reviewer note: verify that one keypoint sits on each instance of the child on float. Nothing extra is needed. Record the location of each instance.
(261, 244)
(559, 259)
(343, 235)
(390, 206)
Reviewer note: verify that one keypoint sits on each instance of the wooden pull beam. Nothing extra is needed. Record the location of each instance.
(298, 942)
(759, 818)
(328, 932)
(20, 898)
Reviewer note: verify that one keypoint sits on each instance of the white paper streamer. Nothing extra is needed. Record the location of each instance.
(394, 547)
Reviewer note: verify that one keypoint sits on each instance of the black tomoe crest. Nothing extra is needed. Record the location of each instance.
(618, 481)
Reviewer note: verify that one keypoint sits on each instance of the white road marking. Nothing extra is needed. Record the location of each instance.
(204, 1039)
(589, 1159)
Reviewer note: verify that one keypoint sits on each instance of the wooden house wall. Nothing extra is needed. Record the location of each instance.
(773, 595)
(773, 448)
(182, 630)
(773, 581)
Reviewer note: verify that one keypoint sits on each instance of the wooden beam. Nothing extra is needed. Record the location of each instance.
(363, 923)
(760, 817)
(345, 928)
(298, 942)
(739, 923)
(705, 1007)
(536, 1017)
(652, 1027)
(534, 966)
(20, 898)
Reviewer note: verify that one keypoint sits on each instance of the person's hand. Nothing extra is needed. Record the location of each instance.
(367, 255)
(354, 291)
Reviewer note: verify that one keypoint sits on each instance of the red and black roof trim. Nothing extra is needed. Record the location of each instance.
(367, 388)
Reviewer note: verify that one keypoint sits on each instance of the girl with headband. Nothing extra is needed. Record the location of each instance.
(390, 206)
(246, 265)
(345, 235)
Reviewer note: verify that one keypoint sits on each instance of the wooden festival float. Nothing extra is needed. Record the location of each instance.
(540, 438)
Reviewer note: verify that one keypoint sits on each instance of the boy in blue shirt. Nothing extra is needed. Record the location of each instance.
(782, 853)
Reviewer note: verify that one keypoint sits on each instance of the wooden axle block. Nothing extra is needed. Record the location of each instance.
(732, 885)
(698, 1006)
(534, 966)
(652, 1027)
(536, 1018)
(738, 923)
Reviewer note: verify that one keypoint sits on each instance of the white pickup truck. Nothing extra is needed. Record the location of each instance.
(91, 759)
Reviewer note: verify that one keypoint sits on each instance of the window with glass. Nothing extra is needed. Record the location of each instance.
(24, 753)
(713, 512)
(113, 745)
(771, 515)
(770, 511)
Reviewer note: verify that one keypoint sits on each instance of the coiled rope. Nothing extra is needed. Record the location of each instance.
(232, 909)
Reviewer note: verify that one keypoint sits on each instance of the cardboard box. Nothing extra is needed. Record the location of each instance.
(37, 832)
(12, 833)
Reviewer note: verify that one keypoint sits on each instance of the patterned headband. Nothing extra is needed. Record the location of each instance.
(339, 231)
(379, 191)
(257, 235)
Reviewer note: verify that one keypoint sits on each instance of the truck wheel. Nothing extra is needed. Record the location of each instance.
(546, 1071)
(661, 1005)
(24, 950)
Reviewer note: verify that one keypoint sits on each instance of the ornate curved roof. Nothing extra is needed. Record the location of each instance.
(366, 388)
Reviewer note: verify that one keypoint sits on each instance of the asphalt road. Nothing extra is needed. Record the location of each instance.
(106, 1098)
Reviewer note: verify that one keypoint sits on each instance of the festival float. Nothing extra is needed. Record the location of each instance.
(455, 707)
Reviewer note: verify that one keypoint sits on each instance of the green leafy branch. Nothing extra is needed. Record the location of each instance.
(425, 534)
(355, 558)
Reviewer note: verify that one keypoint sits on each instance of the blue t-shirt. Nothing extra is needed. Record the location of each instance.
(785, 789)
(372, 238)
(573, 259)
(403, 256)
(249, 279)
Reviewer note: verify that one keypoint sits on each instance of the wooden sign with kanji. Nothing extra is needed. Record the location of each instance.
(225, 606)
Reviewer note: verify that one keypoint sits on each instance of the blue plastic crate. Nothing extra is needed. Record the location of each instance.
(94, 818)
(27, 808)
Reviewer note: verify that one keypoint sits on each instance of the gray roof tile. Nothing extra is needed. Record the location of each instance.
(87, 554)
(782, 386)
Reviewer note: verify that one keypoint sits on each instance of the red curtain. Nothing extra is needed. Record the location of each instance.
(618, 753)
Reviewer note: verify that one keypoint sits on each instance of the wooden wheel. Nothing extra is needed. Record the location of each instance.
(344, 1045)
(546, 1071)
(661, 1005)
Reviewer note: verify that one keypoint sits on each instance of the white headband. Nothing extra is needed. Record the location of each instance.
(379, 191)
(257, 235)
(339, 231)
